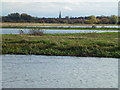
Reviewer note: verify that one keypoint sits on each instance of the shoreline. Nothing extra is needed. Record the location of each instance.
(63, 55)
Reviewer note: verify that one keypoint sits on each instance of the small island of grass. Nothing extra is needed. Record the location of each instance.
(79, 44)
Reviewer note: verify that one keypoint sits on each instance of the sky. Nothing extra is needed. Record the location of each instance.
(51, 8)
(60, 0)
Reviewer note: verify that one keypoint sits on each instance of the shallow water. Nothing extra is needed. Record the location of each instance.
(37, 71)
(75, 26)
(17, 31)
(78, 26)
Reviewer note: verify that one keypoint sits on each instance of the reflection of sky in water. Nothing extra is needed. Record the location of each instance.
(16, 31)
(78, 26)
(73, 26)
(36, 71)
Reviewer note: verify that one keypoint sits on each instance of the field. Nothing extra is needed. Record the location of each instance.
(85, 45)
(52, 24)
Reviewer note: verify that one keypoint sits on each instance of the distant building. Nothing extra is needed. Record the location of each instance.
(60, 16)
(67, 17)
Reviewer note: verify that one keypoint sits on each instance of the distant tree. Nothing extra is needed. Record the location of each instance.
(26, 17)
(113, 19)
(105, 21)
(88, 21)
(98, 21)
(0, 18)
(14, 16)
(119, 20)
(65, 21)
(80, 17)
(67, 17)
(92, 19)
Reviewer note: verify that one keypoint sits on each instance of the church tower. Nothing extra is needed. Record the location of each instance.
(60, 16)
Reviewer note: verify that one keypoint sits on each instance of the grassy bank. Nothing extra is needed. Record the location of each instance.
(87, 45)
(52, 24)
(62, 28)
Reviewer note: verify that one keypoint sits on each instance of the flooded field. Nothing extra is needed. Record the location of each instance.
(36, 71)
(61, 26)
(17, 31)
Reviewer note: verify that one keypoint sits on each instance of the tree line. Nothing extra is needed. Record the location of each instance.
(25, 18)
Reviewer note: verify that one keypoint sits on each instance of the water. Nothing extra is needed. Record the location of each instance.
(16, 31)
(75, 26)
(37, 71)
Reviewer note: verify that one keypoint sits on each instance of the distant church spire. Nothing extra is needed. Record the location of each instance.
(60, 16)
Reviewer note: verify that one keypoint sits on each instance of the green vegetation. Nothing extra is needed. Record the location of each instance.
(63, 28)
(85, 44)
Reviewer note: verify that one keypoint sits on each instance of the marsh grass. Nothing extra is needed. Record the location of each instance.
(85, 44)
(35, 32)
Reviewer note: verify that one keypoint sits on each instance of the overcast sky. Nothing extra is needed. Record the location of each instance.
(60, 0)
(51, 8)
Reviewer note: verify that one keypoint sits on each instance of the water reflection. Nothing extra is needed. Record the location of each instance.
(36, 71)
(71, 26)
(17, 31)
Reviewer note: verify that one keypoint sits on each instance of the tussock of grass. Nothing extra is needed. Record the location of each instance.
(36, 32)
